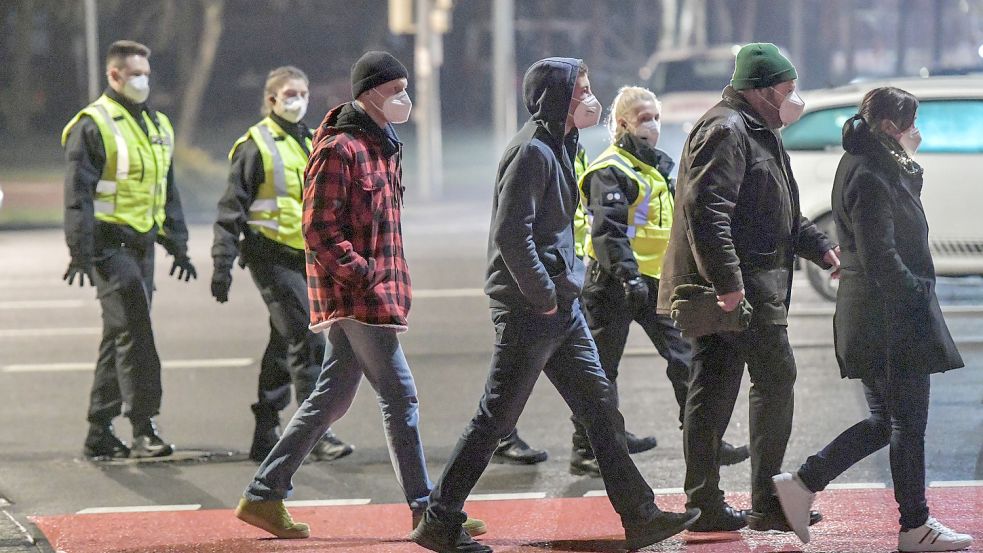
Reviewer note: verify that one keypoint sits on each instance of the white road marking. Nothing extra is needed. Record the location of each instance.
(326, 502)
(506, 496)
(138, 509)
(656, 491)
(955, 483)
(45, 304)
(857, 486)
(173, 364)
(36, 332)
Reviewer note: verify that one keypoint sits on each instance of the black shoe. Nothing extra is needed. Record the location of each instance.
(102, 443)
(730, 455)
(441, 538)
(147, 442)
(775, 520)
(722, 518)
(659, 528)
(638, 445)
(514, 450)
(583, 463)
(329, 448)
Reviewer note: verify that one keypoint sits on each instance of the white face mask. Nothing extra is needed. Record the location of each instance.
(587, 113)
(292, 109)
(397, 107)
(649, 132)
(137, 88)
(790, 109)
(910, 140)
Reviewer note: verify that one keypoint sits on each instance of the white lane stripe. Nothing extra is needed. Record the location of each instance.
(448, 293)
(505, 496)
(955, 483)
(34, 332)
(45, 304)
(656, 491)
(174, 364)
(138, 509)
(32, 284)
(857, 486)
(828, 311)
(326, 502)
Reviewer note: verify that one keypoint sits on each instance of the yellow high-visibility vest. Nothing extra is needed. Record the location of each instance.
(277, 211)
(133, 187)
(649, 216)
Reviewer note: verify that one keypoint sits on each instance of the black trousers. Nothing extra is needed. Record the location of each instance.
(293, 354)
(609, 321)
(718, 366)
(127, 376)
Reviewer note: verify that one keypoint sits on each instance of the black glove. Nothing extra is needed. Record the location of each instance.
(221, 282)
(186, 271)
(636, 293)
(81, 269)
(695, 310)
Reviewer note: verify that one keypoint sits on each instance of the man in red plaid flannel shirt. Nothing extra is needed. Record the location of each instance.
(359, 289)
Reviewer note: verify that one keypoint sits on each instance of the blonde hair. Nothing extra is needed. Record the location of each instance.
(275, 80)
(627, 98)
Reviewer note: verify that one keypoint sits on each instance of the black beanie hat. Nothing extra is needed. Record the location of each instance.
(373, 69)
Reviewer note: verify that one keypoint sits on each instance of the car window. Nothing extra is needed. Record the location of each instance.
(947, 126)
(692, 74)
(818, 130)
(951, 126)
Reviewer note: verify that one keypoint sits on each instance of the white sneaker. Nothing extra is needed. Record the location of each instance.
(796, 500)
(932, 536)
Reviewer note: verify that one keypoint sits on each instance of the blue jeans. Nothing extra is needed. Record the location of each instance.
(898, 415)
(560, 345)
(353, 349)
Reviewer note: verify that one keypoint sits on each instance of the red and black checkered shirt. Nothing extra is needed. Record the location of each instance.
(356, 268)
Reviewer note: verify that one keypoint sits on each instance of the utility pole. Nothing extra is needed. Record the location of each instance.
(503, 46)
(91, 47)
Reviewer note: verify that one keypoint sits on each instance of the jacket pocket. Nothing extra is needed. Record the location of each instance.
(554, 262)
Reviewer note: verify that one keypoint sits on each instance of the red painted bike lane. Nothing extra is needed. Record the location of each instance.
(855, 521)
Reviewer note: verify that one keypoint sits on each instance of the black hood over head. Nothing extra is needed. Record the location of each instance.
(547, 89)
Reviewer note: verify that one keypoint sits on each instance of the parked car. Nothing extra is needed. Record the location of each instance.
(950, 117)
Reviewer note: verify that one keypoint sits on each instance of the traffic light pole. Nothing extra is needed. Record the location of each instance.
(503, 46)
(427, 55)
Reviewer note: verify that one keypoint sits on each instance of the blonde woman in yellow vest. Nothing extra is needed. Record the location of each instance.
(120, 199)
(629, 202)
(259, 219)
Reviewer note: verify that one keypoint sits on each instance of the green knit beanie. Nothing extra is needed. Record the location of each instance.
(760, 65)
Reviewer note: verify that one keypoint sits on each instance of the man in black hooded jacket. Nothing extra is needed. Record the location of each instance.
(534, 281)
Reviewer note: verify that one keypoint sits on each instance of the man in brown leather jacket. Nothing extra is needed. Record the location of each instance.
(737, 228)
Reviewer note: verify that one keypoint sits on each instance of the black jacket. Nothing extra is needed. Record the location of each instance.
(531, 260)
(886, 308)
(737, 221)
(609, 192)
(86, 158)
(246, 173)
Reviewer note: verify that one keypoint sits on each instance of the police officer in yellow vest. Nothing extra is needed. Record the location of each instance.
(120, 199)
(259, 221)
(629, 203)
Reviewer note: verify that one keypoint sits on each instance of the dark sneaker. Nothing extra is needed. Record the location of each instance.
(583, 463)
(102, 443)
(147, 442)
(329, 448)
(659, 528)
(441, 538)
(730, 455)
(775, 520)
(472, 526)
(638, 445)
(722, 518)
(514, 450)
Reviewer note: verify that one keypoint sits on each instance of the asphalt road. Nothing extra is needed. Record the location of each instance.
(49, 334)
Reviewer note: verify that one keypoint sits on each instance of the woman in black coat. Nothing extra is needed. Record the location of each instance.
(888, 329)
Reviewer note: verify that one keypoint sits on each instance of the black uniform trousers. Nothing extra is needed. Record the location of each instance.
(294, 353)
(127, 376)
(718, 366)
(610, 321)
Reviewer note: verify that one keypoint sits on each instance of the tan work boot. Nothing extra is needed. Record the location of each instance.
(273, 517)
(472, 526)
